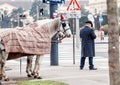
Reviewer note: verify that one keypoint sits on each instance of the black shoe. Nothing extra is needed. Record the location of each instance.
(81, 68)
(93, 69)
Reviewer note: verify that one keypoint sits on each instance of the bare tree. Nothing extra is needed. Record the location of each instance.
(113, 33)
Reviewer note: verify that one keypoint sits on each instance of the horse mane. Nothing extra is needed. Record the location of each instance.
(53, 25)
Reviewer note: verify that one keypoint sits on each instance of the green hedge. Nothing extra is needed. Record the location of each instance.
(106, 29)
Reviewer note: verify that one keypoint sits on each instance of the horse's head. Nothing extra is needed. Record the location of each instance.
(65, 26)
(56, 26)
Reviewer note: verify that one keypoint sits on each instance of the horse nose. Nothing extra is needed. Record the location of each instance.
(69, 35)
(61, 34)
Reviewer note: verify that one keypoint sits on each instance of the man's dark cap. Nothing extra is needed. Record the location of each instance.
(89, 22)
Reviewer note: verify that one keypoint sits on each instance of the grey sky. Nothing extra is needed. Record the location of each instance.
(18, 3)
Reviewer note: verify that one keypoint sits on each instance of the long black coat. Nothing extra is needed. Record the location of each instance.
(87, 36)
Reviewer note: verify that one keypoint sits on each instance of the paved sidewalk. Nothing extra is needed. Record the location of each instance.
(66, 71)
(71, 74)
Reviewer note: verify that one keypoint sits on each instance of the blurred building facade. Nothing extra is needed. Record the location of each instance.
(97, 6)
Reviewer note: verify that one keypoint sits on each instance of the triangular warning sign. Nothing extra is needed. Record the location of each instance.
(73, 8)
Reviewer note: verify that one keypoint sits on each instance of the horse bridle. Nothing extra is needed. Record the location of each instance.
(64, 25)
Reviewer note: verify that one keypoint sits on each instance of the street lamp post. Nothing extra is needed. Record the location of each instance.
(54, 45)
(18, 20)
(100, 21)
(37, 12)
(11, 20)
(95, 18)
(95, 23)
(1, 18)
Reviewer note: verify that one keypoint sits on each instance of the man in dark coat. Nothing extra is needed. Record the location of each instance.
(87, 36)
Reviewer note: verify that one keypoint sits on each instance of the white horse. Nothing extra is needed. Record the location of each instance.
(8, 51)
(35, 71)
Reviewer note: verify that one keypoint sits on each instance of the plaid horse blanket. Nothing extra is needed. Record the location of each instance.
(32, 39)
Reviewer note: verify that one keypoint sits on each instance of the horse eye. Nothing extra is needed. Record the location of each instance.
(63, 24)
(69, 24)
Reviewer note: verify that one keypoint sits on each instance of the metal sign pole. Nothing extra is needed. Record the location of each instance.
(74, 34)
(74, 16)
(73, 41)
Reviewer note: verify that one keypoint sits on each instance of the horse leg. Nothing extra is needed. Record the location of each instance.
(3, 58)
(29, 66)
(36, 68)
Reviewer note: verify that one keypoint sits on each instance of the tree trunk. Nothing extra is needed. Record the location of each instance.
(113, 41)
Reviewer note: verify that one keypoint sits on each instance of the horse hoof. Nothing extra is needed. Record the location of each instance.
(39, 77)
(29, 75)
(32, 74)
(7, 79)
(35, 76)
(0, 78)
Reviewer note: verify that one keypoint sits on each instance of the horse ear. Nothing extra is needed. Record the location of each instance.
(61, 17)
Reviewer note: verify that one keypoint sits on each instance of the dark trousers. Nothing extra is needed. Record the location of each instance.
(82, 62)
